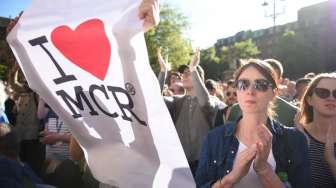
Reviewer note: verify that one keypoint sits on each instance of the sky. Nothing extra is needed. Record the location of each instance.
(211, 20)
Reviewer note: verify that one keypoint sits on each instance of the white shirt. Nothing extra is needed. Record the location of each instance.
(252, 180)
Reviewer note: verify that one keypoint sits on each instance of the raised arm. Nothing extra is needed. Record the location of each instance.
(149, 12)
(164, 68)
(12, 79)
(202, 93)
(207, 103)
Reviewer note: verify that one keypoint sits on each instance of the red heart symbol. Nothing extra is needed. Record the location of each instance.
(87, 46)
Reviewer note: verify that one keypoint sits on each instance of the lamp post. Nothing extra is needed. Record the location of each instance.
(275, 13)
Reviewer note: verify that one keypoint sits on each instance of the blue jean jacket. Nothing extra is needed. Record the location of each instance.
(289, 146)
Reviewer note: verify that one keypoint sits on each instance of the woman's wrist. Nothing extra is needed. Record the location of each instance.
(65, 138)
(163, 70)
(264, 170)
(192, 68)
(227, 181)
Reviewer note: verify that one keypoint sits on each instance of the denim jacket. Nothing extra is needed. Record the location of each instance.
(220, 147)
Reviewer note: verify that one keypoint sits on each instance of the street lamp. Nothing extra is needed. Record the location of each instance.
(275, 12)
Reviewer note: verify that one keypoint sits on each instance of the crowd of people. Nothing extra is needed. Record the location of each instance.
(257, 129)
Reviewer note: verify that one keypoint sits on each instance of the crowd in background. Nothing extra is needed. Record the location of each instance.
(297, 148)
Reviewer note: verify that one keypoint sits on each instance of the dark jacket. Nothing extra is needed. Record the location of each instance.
(16, 175)
(220, 147)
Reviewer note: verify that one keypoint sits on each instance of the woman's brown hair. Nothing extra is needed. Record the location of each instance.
(306, 110)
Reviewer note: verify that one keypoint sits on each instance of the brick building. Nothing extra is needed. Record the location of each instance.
(315, 19)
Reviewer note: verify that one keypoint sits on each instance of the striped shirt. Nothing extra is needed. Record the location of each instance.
(59, 150)
(321, 174)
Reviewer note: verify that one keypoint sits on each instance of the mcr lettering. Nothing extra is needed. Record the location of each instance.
(81, 100)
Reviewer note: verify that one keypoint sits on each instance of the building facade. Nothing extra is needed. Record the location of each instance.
(315, 21)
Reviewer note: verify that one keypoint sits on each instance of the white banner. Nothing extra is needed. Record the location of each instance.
(88, 60)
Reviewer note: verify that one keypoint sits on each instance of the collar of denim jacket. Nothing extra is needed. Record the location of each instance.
(272, 125)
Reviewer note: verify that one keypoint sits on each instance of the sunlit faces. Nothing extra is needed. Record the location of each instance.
(186, 79)
(174, 78)
(256, 97)
(323, 99)
(231, 95)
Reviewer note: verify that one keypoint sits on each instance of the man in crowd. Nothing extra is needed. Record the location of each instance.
(300, 87)
(14, 173)
(211, 86)
(194, 113)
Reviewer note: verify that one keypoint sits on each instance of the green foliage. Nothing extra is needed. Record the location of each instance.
(240, 50)
(215, 64)
(209, 55)
(169, 36)
(3, 71)
(6, 59)
(298, 53)
(210, 62)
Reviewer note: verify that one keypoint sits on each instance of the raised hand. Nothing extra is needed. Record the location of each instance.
(195, 60)
(164, 65)
(149, 11)
(264, 145)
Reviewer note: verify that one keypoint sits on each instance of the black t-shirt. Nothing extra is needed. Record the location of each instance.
(321, 174)
(9, 111)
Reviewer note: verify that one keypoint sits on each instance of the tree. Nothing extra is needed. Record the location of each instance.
(298, 53)
(210, 62)
(239, 50)
(209, 55)
(6, 59)
(169, 36)
(216, 64)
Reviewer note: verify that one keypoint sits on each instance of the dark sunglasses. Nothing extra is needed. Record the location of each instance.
(259, 84)
(324, 93)
(231, 93)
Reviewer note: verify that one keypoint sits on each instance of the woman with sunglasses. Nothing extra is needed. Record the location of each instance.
(318, 118)
(254, 151)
